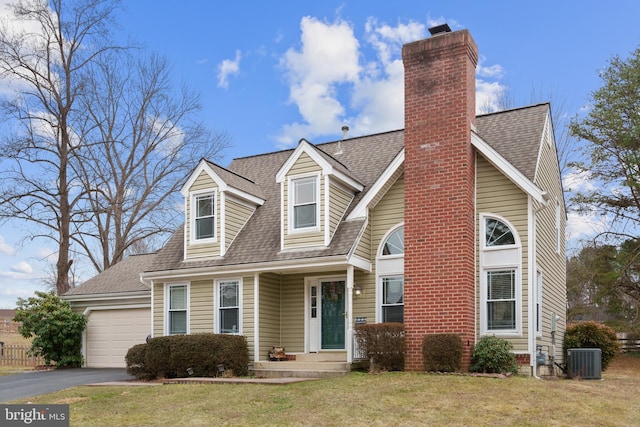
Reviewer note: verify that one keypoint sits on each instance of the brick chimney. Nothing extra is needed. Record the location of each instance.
(439, 194)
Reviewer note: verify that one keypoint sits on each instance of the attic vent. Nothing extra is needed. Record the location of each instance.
(439, 29)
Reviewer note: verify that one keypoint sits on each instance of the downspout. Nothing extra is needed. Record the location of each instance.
(532, 287)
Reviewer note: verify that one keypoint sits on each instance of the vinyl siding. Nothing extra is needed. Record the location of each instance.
(202, 183)
(201, 307)
(292, 313)
(496, 194)
(551, 263)
(385, 215)
(236, 216)
(339, 201)
(304, 165)
(248, 306)
(269, 316)
(363, 249)
(158, 309)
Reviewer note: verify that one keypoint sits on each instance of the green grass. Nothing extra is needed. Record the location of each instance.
(369, 400)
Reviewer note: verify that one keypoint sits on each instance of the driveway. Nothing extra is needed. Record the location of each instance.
(32, 383)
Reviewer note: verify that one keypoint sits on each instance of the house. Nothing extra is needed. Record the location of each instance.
(117, 306)
(454, 224)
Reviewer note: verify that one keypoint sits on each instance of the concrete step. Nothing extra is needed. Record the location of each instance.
(300, 369)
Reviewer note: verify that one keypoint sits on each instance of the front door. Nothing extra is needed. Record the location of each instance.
(332, 300)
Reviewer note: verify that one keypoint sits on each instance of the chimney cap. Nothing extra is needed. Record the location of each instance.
(440, 29)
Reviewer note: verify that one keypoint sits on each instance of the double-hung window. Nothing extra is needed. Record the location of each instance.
(228, 292)
(305, 203)
(393, 299)
(501, 300)
(177, 309)
(204, 216)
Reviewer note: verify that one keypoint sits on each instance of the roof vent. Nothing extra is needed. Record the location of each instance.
(439, 29)
(345, 132)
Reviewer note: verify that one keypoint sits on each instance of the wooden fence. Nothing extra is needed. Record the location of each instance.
(16, 355)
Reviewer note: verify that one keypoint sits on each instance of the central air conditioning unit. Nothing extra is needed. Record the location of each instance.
(584, 363)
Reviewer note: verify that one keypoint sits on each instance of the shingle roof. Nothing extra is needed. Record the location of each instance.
(236, 181)
(515, 134)
(122, 277)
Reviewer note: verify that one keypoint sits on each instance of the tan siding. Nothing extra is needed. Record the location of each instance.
(304, 165)
(248, 305)
(236, 216)
(292, 312)
(551, 263)
(158, 309)
(269, 313)
(363, 250)
(339, 200)
(201, 307)
(203, 182)
(496, 194)
(388, 213)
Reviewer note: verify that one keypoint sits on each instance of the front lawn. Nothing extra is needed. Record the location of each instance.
(364, 400)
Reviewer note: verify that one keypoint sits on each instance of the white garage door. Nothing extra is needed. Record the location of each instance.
(110, 333)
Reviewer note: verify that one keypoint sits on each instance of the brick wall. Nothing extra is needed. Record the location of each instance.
(439, 191)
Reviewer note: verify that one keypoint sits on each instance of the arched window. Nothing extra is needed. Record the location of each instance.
(501, 282)
(394, 245)
(390, 281)
(497, 233)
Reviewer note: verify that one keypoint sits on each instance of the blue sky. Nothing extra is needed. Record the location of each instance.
(271, 73)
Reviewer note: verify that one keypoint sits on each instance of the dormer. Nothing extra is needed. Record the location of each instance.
(218, 203)
(316, 190)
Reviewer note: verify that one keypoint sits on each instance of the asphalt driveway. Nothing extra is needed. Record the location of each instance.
(32, 383)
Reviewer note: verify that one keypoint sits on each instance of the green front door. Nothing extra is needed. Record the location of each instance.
(333, 323)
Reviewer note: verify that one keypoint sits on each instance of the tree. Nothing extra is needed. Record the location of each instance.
(611, 130)
(45, 61)
(99, 140)
(149, 141)
(55, 330)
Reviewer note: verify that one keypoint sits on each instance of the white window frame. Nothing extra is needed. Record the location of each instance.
(193, 213)
(500, 258)
(168, 310)
(218, 308)
(487, 301)
(292, 203)
(387, 266)
(382, 304)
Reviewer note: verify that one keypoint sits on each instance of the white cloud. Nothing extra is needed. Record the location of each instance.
(6, 249)
(227, 68)
(332, 83)
(582, 225)
(22, 267)
(577, 181)
(327, 58)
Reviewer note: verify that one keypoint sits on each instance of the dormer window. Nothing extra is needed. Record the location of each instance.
(305, 203)
(204, 222)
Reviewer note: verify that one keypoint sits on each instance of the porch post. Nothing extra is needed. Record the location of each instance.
(256, 317)
(349, 314)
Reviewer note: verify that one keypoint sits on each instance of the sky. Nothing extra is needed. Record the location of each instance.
(271, 73)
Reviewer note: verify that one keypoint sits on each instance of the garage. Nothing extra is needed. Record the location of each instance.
(117, 306)
(110, 333)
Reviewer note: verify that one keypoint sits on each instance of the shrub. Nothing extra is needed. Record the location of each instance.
(383, 345)
(179, 356)
(592, 335)
(442, 352)
(55, 329)
(493, 355)
(136, 365)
